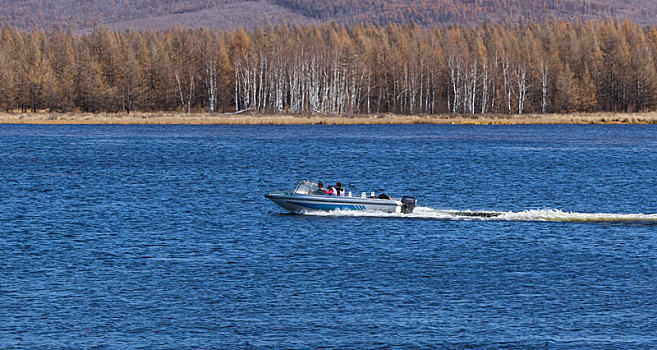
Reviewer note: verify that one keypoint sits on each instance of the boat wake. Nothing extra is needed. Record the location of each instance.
(548, 215)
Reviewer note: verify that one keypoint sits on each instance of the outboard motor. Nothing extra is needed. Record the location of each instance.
(408, 204)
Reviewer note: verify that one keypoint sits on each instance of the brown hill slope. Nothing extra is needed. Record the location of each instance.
(230, 14)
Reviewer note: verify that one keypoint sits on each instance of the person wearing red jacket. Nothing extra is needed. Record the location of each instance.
(321, 189)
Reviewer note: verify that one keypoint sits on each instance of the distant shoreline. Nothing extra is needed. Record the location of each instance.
(161, 118)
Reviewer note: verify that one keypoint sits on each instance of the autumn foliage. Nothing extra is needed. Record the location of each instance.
(335, 69)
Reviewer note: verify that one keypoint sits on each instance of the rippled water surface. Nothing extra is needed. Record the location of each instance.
(160, 237)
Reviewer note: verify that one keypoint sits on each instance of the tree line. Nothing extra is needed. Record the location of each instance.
(335, 69)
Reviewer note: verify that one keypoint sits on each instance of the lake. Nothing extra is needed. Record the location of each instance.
(160, 237)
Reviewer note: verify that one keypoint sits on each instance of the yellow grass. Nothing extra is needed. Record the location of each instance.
(252, 119)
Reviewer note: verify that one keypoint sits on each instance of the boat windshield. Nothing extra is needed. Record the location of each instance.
(305, 187)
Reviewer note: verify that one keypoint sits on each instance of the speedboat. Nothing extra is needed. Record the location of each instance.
(307, 197)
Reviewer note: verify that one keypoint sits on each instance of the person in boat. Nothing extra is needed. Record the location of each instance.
(322, 190)
(338, 190)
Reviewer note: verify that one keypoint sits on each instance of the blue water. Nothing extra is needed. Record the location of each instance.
(121, 237)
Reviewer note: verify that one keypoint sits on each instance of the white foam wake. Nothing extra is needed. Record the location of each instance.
(553, 215)
(561, 216)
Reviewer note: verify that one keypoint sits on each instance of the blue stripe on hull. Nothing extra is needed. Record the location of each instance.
(321, 206)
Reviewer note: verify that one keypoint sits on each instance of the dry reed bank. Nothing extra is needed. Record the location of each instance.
(262, 119)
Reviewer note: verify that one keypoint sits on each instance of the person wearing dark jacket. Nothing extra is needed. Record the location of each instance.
(339, 191)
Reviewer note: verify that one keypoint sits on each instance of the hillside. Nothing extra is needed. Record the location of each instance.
(231, 14)
(227, 16)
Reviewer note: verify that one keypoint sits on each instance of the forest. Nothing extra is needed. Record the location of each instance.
(333, 69)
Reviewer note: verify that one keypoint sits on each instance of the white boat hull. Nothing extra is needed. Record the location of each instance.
(300, 203)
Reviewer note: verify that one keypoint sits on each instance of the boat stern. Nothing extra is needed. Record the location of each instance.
(408, 204)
